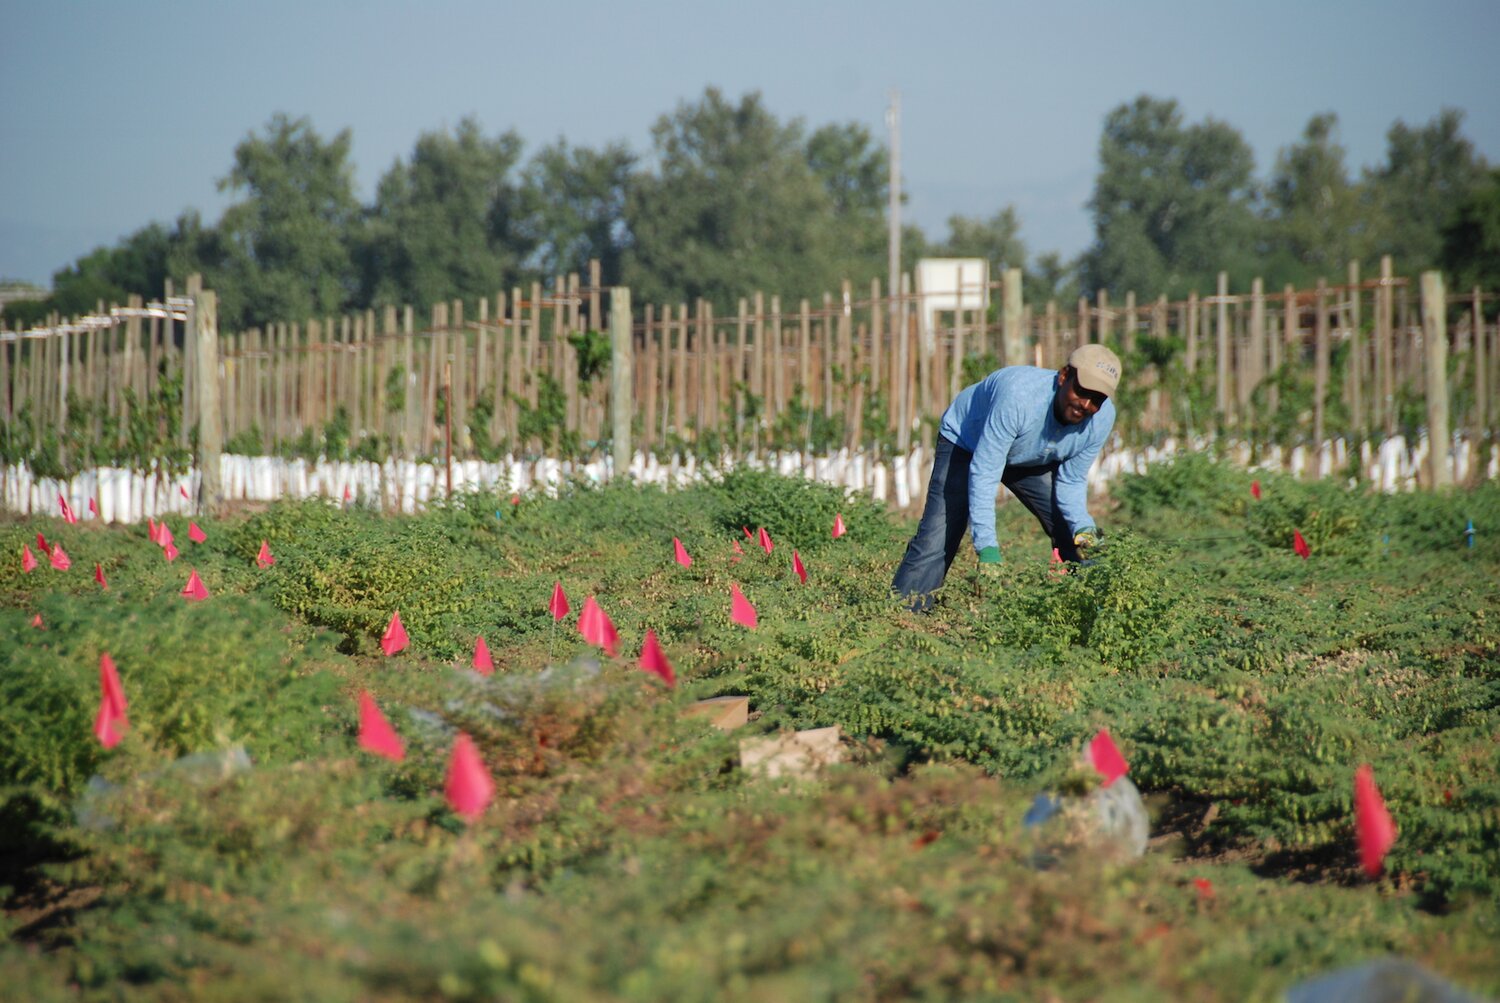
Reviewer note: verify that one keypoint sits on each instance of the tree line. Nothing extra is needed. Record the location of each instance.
(730, 198)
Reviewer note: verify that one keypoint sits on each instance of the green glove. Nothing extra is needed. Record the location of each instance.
(1085, 538)
(989, 562)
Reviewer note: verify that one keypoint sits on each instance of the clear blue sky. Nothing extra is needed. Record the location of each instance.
(114, 114)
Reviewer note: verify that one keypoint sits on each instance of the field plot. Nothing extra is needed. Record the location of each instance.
(626, 856)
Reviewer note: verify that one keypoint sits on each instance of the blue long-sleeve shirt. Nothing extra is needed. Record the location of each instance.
(1007, 419)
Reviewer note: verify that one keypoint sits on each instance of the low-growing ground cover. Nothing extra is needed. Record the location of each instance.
(626, 858)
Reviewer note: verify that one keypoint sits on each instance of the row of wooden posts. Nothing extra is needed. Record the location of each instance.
(678, 374)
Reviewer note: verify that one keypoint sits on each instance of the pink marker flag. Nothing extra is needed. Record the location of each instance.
(182, 490)
(482, 663)
(680, 552)
(1255, 490)
(765, 540)
(60, 558)
(597, 628)
(94, 507)
(28, 559)
(1299, 545)
(151, 531)
(195, 534)
(36, 622)
(748, 535)
(797, 567)
(346, 494)
(838, 525)
(164, 537)
(375, 732)
(41, 544)
(394, 639)
(1058, 568)
(264, 558)
(67, 510)
(111, 704)
(1105, 756)
(654, 661)
(469, 787)
(170, 551)
(109, 684)
(558, 607)
(99, 576)
(1372, 822)
(194, 591)
(104, 726)
(740, 610)
(736, 545)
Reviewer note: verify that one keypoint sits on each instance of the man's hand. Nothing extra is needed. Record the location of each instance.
(989, 562)
(1086, 538)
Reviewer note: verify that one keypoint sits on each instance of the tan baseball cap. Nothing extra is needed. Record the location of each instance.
(1097, 367)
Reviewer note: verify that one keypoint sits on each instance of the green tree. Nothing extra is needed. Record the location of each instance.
(1172, 204)
(573, 209)
(445, 224)
(286, 243)
(1429, 171)
(733, 205)
(1317, 224)
(997, 239)
(1471, 241)
(855, 173)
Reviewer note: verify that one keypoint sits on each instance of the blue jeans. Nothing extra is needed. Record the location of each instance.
(945, 519)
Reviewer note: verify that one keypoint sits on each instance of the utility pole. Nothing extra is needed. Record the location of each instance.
(893, 262)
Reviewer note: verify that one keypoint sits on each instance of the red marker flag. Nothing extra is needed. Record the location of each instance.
(182, 490)
(797, 567)
(1058, 567)
(169, 551)
(67, 510)
(194, 590)
(60, 558)
(151, 531)
(375, 732)
(99, 576)
(748, 535)
(736, 545)
(558, 607)
(195, 534)
(1205, 889)
(680, 553)
(1106, 758)
(740, 610)
(41, 544)
(28, 559)
(469, 787)
(94, 507)
(597, 628)
(1255, 490)
(1372, 822)
(838, 525)
(394, 639)
(264, 558)
(1300, 545)
(346, 494)
(482, 663)
(654, 661)
(765, 540)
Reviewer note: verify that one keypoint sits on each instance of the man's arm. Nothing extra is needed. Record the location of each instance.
(1073, 475)
(985, 471)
